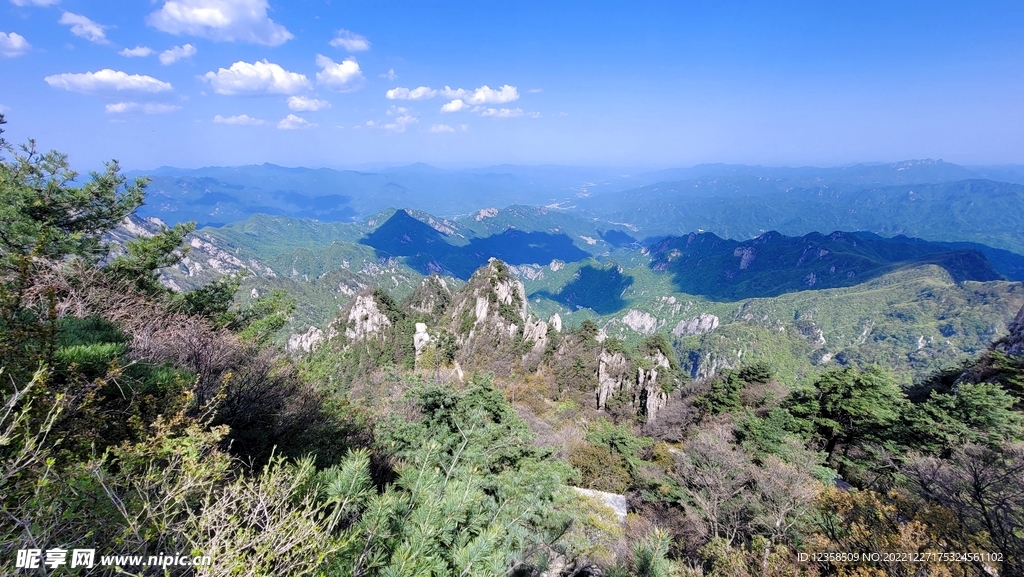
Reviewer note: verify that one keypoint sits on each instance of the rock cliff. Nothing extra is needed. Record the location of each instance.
(1013, 343)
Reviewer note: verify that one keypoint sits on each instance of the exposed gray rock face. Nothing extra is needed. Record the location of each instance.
(485, 294)
(420, 340)
(612, 376)
(650, 396)
(641, 322)
(364, 319)
(698, 325)
(305, 342)
(746, 254)
(708, 364)
(511, 291)
(613, 501)
(536, 331)
(556, 322)
(1013, 344)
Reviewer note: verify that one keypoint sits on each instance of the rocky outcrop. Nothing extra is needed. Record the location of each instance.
(706, 364)
(364, 319)
(641, 322)
(490, 319)
(613, 375)
(305, 342)
(1013, 343)
(431, 297)
(556, 322)
(698, 325)
(644, 388)
(536, 331)
(650, 394)
(613, 501)
(494, 298)
(420, 340)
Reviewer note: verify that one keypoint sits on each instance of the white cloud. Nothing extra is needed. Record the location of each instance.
(350, 41)
(158, 108)
(302, 103)
(483, 95)
(401, 122)
(242, 119)
(465, 128)
(84, 28)
(454, 106)
(454, 93)
(292, 122)
(13, 44)
(403, 118)
(175, 54)
(106, 79)
(4, 109)
(487, 95)
(442, 128)
(501, 112)
(34, 2)
(343, 77)
(255, 78)
(121, 107)
(421, 93)
(220, 20)
(137, 52)
(535, 90)
(504, 112)
(390, 74)
(147, 108)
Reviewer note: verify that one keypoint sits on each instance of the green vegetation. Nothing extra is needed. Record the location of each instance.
(143, 420)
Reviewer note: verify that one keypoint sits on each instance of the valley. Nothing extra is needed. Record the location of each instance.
(804, 304)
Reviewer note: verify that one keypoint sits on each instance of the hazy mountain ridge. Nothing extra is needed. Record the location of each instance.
(731, 200)
(981, 211)
(774, 264)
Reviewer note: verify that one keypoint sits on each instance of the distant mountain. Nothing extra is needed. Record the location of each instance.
(773, 264)
(981, 211)
(427, 250)
(852, 176)
(229, 194)
(731, 200)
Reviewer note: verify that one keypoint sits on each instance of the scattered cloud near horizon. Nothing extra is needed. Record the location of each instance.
(106, 80)
(241, 119)
(304, 104)
(146, 108)
(292, 122)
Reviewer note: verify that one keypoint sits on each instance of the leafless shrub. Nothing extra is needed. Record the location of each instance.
(982, 486)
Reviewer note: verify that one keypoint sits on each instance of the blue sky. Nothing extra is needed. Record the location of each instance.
(656, 84)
